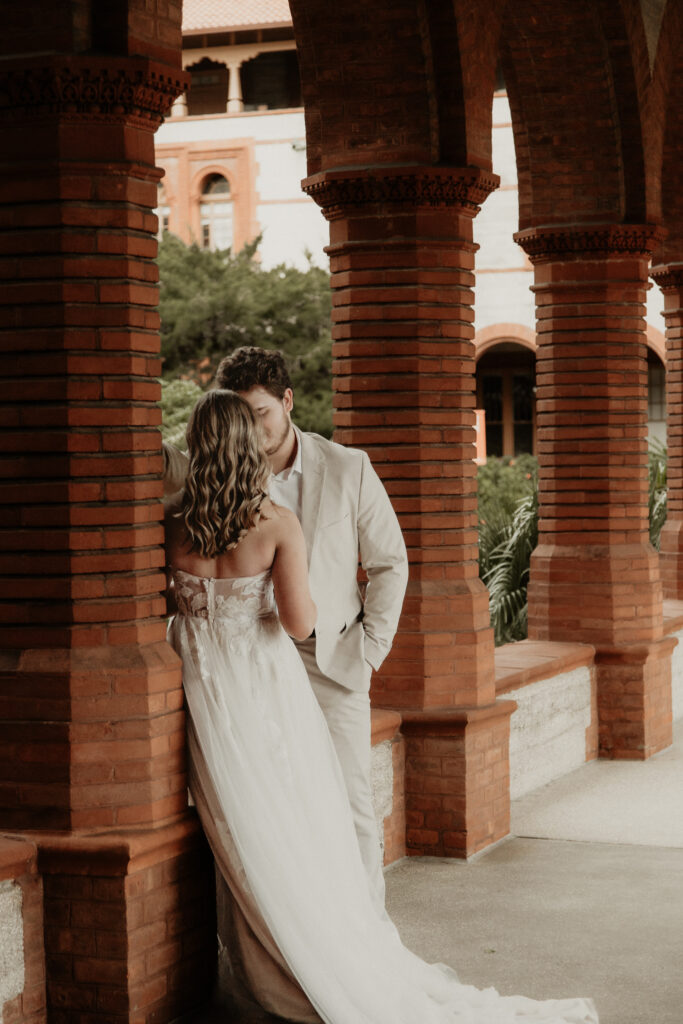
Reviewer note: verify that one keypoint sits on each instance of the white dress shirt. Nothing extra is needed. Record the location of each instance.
(285, 487)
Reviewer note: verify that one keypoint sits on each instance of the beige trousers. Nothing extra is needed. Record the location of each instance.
(348, 718)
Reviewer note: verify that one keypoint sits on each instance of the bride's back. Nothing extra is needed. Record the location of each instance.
(253, 554)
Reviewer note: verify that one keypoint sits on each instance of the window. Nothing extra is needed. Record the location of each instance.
(506, 379)
(656, 389)
(656, 398)
(492, 402)
(271, 81)
(208, 92)
(163, 212)
(215, 213)
(523, 402)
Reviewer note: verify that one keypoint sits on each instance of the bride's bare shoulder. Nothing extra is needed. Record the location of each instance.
(276, 513)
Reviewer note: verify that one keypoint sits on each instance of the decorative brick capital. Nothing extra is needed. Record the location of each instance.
(545, 245)
(668, 276)
(89, 88)
(337, 192)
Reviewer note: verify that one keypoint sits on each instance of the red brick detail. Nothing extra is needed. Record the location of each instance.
(575, 170)
(91, 737)
(80, 530)
(528, 661)
(594, 575)
(670, 280)
(103, 89)
(457, 779)
(402, 261)
(91, 704)
(129, 924)
(18, 862)
(634, 699)
(396, 91)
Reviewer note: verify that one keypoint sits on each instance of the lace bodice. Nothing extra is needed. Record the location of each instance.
(242, 601)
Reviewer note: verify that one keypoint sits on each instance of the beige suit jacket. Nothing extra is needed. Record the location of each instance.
(345, 511)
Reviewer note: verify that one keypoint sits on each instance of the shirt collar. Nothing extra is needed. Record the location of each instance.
(296, 465)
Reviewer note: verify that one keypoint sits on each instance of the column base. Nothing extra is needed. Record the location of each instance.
(634, 699)
(599, 594)
(457, 780)
(130, 930)
(442, 655)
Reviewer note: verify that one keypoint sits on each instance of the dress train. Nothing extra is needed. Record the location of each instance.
(269, 791)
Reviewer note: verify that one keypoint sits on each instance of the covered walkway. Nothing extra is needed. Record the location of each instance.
(586, 898)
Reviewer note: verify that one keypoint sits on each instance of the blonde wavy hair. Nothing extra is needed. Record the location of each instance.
(227, 474)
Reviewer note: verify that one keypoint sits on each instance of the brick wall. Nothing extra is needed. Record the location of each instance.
(130, 927)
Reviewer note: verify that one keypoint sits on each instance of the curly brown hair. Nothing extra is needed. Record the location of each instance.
(227, 474)
(250, 367)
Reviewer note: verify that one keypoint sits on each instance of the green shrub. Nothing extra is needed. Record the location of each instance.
(211, 303)
(178, 398)
(656, 490)
(508, 532)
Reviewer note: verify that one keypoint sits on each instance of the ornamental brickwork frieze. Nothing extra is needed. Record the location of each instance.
(96, 88)
(337, 192)
(543, 245)
(669, 276)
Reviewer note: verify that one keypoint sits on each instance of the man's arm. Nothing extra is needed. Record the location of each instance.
(175, 468)
(383, 556)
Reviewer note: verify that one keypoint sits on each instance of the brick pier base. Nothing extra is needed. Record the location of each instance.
(634, 698)
(457, 779)
(129, 924)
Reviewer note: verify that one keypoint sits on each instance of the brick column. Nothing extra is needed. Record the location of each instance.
(91, 720)
(402, 262)
(670, 280)
(594, 575)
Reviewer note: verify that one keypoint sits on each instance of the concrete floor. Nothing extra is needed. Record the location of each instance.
(585, 899)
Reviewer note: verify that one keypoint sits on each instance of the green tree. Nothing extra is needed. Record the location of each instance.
(178, 398)
(508, 532)
(656, 489)
(213, 302)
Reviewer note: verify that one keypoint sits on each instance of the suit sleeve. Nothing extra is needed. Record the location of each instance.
(383, 556)
(175, 469)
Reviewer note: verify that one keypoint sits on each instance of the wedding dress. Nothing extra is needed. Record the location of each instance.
(269, 792)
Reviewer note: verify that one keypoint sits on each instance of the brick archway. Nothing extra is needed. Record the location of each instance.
(397, 100)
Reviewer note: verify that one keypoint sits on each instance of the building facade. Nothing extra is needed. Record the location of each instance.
(233, 152)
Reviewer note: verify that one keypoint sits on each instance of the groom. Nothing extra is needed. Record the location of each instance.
(344, 510)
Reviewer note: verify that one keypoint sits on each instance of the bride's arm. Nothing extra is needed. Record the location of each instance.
(295, 605)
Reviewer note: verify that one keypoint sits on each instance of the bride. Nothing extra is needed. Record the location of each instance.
(314, 945)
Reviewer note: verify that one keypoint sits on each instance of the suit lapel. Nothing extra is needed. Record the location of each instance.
(312, 480)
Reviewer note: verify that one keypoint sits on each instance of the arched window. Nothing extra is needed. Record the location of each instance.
(656, 397)
(271, 81)
(506, 379)
(163, 212)
(208, 93)
(215, 213)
